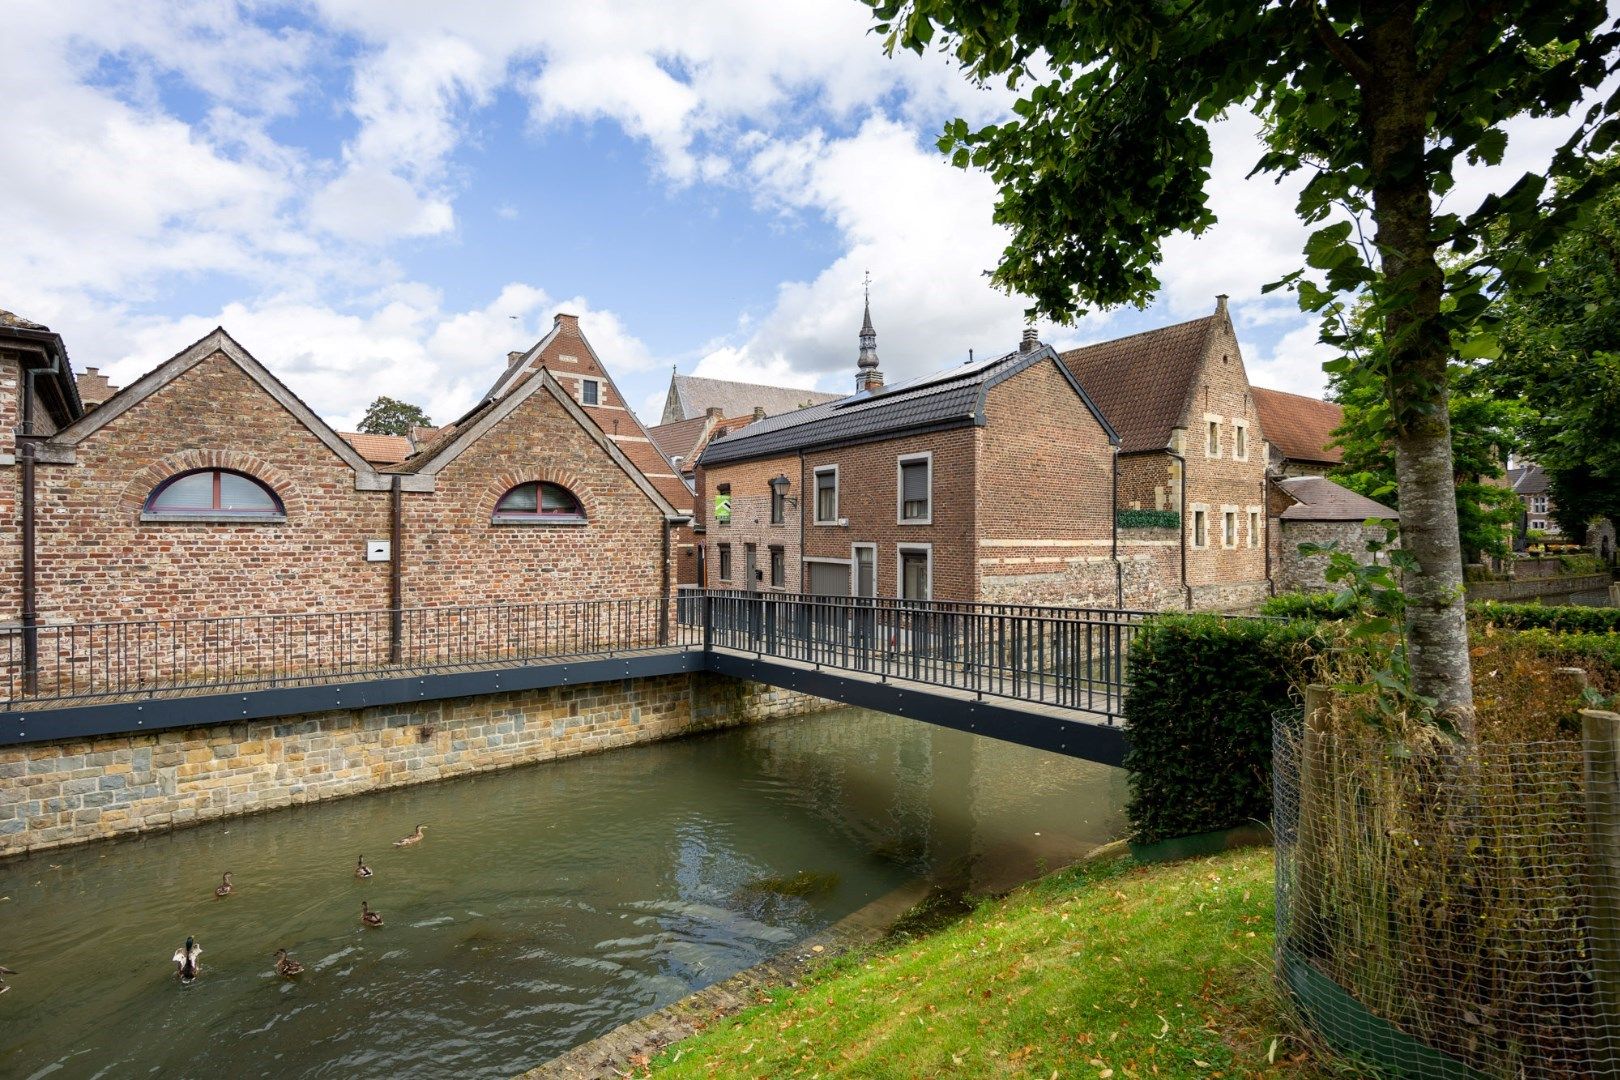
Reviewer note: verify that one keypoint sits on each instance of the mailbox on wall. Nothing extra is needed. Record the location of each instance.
(377, 551)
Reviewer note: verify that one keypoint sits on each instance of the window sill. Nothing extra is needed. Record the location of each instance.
(150, 518)
(914, 521)
(534, 519)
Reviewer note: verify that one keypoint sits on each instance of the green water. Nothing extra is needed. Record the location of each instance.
(546, 905)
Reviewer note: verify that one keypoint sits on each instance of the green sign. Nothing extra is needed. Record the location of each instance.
(722, 508)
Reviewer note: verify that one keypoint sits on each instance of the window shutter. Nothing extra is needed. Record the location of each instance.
(914, 481)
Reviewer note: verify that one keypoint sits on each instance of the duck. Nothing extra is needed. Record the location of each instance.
(361, 870)
(369, 917)
(224, 889)
(414, 838)
(185, 960)
(286, 966)
(5, 971)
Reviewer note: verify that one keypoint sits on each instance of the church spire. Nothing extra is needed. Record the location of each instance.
(868, 377)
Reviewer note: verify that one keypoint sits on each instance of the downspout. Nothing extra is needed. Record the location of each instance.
(1185, 588)
(396, 567)
(1113, 514)
(30, 612)
(1265, 530)
(663, 585)
(807, 495)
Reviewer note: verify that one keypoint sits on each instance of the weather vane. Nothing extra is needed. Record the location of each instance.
(866, 284)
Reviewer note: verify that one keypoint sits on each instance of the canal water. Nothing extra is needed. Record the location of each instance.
(545, 906)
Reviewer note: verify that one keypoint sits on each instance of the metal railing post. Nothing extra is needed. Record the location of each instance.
(708, 622)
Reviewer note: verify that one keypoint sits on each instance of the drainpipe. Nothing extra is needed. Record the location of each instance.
(1265, 530)
(807, 493)
(396, 566)
(1113, 513)
(663, 585)
(30, 612)
(1185, 588)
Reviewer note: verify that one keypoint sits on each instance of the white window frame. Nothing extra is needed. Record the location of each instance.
(1538, 504)
(900, 567)
(1240, 440)
(855, 568)
(594, 382)
(815, 495)
(900, 463)
(1256, 524)
(1211, 418)
(1229, 514)
(1192, 526)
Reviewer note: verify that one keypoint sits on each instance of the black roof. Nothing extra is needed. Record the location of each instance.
(953, 397)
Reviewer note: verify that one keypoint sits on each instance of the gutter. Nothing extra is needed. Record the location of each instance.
(396, 569)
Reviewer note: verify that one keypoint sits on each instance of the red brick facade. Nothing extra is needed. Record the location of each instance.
(101, 556)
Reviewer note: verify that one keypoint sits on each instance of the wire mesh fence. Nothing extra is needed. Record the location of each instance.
(1447, 910)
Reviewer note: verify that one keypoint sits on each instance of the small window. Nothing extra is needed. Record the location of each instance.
(1229, 529)
(1200, 527)
(915, 490)
(827, 495)
(778, 568)
(1538, 504)
(725, 562)
(213, 492)
(1240, 442)
(590, 392)
(539, 501)
(1254, 528)
(1213, 447)
(778, 504)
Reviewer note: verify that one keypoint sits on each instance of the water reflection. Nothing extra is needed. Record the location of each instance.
(546, 905)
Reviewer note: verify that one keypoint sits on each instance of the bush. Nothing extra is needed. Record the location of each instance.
(1566, 619)
(1199, 716)
(1148, 519)
(1582, 562)
(1313, 605)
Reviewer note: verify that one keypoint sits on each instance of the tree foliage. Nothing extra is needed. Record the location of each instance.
(390, 416)
(1376, 102)
(1561, 354)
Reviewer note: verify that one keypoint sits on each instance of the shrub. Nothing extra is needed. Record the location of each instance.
(1199, 716)
(1148, 519)
(1312, 605)
(1566, 619)
(1582, 562)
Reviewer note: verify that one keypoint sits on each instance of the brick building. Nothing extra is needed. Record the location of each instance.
(1299, 432)
(1529, 483)
(207, 488)
(1191, 445)
(692, 396)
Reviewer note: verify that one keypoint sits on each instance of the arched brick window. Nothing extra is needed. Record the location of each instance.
(213, 493)
(539, 502)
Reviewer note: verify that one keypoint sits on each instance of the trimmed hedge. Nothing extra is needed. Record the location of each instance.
(1199, 715)
(1560, 618)
(1565, 619)
(1147, 519)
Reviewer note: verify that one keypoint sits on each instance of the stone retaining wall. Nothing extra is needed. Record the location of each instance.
(53, 794)
(1571, 588)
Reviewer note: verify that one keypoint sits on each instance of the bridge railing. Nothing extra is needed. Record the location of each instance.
(154, 657)
(1075, 658)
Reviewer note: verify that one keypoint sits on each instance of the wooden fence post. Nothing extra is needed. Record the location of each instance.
(1600, 732)
(1314, 785)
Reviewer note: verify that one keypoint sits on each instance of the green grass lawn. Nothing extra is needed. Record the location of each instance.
(1104, 971)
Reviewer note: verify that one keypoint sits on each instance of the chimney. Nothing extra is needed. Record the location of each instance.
(759, 412)
(870, 380)
(563, 317)
(1031, 341)
(1220, 303)
(514, 356)
(713, 412)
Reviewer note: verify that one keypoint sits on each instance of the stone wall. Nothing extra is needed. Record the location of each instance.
(53, 794)
(1300, 573)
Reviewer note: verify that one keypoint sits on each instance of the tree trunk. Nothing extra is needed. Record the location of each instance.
(1395, 118)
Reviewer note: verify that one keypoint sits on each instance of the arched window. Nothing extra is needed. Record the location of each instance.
(540, 502)
(213, 493)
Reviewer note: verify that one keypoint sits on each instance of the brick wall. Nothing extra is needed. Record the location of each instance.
(10, 522)
(751, 520)
(868, 477)
(53, 794)
(1045, 528)
(1224, 483)
(97, 561)
(454, 554)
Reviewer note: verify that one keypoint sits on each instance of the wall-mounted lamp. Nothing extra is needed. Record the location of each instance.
(779, 485)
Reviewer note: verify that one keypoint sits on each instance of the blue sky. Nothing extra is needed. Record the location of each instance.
(385, 196)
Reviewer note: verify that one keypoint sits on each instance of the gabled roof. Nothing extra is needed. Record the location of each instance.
(1142, 382)
(953, 397)
(1529, 479)
(1316, 498)
(691, 396)
(42, 350)
(379, 449)
(455, 438)
(1300, 427)
(680, 439)
(177, 365)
